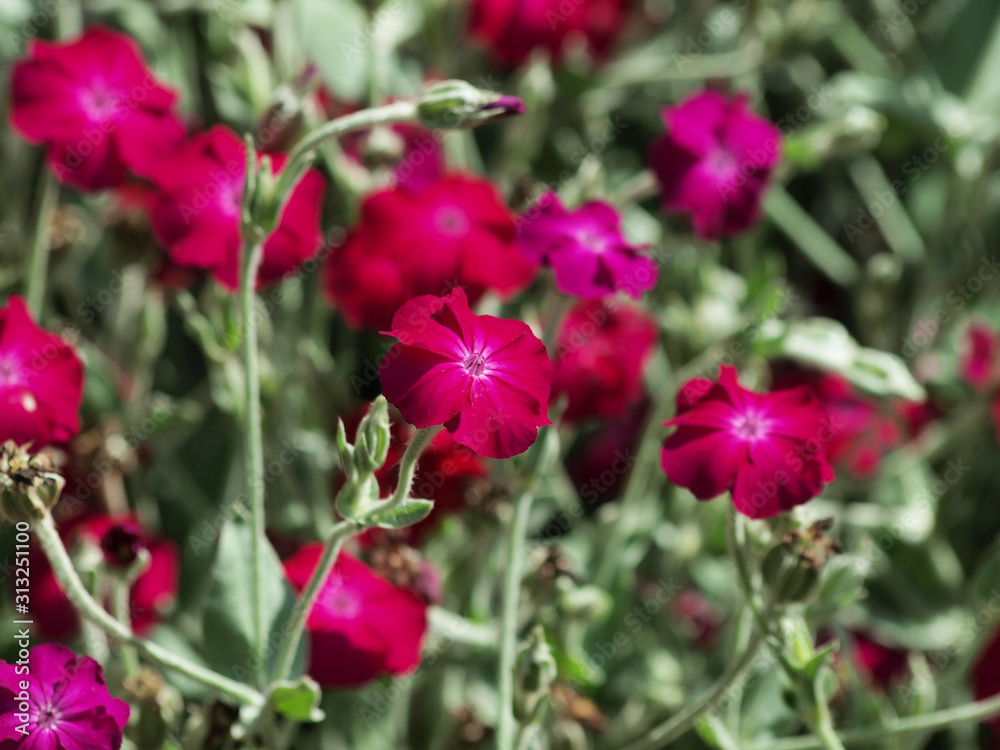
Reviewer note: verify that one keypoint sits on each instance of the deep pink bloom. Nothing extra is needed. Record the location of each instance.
(699, 616)
(41, 381)
(197, 218)
(68, 704)
(361, 625)
(453, 232)
(601, 355)
(97, 106)
(118, 537)
(883, 665)
(714, 162)
(600, 461)
(863, 430)
(485, 379)
(512, 29)
(978, 360)
(586, 248)
(767, 449)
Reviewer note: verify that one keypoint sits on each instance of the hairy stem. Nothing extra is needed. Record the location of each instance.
(69, 581)
(38, 256)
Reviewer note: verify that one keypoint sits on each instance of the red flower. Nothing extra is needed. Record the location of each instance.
(41, 381)
(454, 232)
(197, 218)
(883, 665)
(714, 162)
(599, 363)
(863, 431)
(767, 449)
(986, 677)
(97, 106)
(153, 591)
(485, 379)
(586, 248)
(978, 361)
(699, 616)
(512, 29)
(361, 625)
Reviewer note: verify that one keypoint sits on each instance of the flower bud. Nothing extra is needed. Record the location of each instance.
(534, 672)
(29, 485)
(356, 498)
(372, 444)
(792, 568)
(457, 104)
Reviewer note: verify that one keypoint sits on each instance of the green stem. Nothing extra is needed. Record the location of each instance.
(825, 731)
(123, 612)
(976, 711)
(300, 155)
(408, 466)
(253, 439)
(547, 452)
(38, 257)
(72, 586)
(339, 534)
(684, 719)
(506, 724)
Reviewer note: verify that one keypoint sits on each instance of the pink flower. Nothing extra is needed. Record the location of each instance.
(586, 248)
(485, 379)
(361, 625)
(714, 162)
(120, 538)
(864, 430)
(97, 107)
(512, 29)
(601, 355)
(986, 677)
(767, 449)
(68, 704)
(197, 217)
(41, 381)
(978, 361)
(453, 232)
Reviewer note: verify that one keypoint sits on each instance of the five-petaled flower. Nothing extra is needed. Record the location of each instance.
(41, 381)
(714, 162)
(66, 701)
(96, 106)
(197, 217)
(767, 449)
(361, 626)
(485, 379)
(585, 248)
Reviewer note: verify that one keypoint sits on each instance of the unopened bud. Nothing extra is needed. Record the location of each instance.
(29, 485)
(457, 104)
(374, 433)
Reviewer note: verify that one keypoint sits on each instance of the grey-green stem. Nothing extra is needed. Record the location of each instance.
(38, 257)
(72, 586)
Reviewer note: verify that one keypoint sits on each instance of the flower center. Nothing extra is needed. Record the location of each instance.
(48, 718)
(99, 103)
(750, 427)
(340, 602)
(722, 164)
(452, 221)
(475, 364)
(593, 241)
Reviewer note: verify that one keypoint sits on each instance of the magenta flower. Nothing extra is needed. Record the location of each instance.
(361, 626)
(978, 361)
(586, 248)
(197, 217)
(600, 359)
(714, 162)
(58, 702)
(767, 449)
(41, 381)
(485, 379)
(97, 106)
